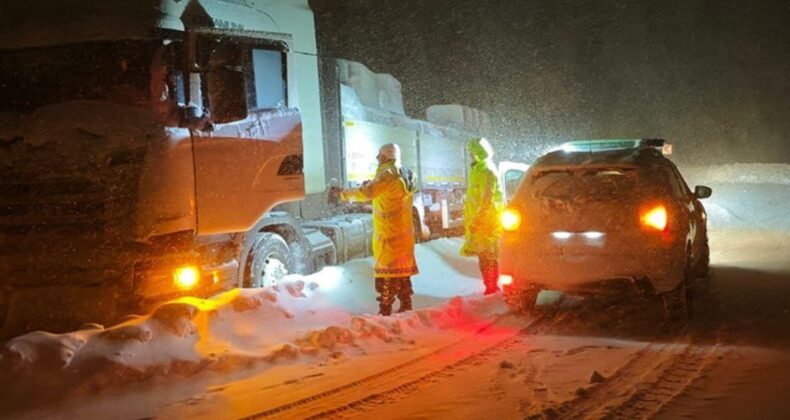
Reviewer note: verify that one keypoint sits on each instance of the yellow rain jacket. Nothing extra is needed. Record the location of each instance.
(484, 202)
(393, 227)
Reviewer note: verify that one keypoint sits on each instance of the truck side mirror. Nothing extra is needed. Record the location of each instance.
(227, 95)
(702, 191)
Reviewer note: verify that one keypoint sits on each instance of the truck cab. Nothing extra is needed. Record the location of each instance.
(143, 145)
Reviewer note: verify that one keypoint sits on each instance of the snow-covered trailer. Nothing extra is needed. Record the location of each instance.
(370, 112)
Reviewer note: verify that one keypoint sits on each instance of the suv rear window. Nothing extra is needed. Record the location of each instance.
(597, 184)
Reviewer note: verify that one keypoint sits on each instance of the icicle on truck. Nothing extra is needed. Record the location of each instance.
(144, 146)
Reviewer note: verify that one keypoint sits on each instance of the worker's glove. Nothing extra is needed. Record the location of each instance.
(343, 195)
(334, 195)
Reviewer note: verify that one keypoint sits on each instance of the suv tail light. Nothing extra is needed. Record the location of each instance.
(655, 218)
(510, 219)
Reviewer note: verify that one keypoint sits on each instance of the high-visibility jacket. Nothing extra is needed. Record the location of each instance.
(484, 202)
(393, 227)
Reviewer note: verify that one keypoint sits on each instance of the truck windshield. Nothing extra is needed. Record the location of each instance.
(118, 71)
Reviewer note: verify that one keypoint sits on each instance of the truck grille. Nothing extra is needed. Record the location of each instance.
(67, 206)
(61, 227)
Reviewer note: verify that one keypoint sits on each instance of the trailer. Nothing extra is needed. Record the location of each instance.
(363, 110)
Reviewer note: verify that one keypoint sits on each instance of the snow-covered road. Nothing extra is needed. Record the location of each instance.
(314, 349)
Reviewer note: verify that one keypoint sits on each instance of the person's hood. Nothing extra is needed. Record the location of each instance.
(480, 148)
(391, 151)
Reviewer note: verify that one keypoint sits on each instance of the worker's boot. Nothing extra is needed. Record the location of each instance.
(490, 270)
(387, 293)
(491, 288)
(379, 284)
(404, 294)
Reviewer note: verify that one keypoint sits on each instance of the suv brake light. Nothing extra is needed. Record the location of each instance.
(655, 218)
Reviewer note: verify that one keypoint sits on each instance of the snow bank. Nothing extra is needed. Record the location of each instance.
(745, 196)
(242, 328)
(738, 173)
(239, 328)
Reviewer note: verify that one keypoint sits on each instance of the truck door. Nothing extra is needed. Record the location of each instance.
(248, 156)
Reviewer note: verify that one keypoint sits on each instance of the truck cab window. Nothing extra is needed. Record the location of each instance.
(167, 82)
(268, 67)
(230, 76)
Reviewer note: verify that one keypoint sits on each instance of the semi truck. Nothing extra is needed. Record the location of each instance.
(162, 148)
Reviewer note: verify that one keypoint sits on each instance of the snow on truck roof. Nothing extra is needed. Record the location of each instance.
(58, 22)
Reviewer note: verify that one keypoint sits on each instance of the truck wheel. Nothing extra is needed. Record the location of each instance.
(268, 261)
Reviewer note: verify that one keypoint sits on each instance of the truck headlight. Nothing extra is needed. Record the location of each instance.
(186, 277)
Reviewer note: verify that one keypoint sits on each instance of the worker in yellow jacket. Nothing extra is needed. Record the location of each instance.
(393, 228)
(482, 209)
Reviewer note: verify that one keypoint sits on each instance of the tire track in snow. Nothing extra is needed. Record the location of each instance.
(405, 378)
(651, 379)
(675, 377)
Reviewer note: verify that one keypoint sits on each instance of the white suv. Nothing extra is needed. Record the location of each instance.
(597, 215)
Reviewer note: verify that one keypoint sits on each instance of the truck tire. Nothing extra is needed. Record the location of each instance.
(268, 261)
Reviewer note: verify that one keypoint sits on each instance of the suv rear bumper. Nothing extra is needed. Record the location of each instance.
(592, 273)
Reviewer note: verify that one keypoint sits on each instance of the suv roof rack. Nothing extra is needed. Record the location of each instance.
(605, 145)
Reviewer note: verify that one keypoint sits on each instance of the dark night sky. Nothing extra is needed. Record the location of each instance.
(712, 75)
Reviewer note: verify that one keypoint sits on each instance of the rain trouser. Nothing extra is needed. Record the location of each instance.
(390, 288)
(489, 269)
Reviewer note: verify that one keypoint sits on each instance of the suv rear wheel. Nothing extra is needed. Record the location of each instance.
(703, 263)
(679, 303)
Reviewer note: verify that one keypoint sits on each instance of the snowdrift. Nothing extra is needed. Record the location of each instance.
(746, 196)
(236, 329)
(316, 315)
(738, 173)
